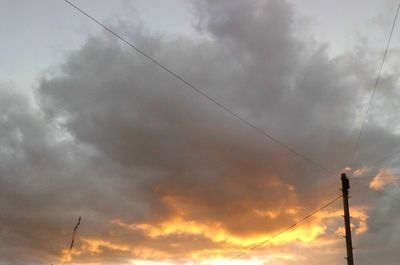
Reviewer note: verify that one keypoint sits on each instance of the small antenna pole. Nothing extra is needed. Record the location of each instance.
(73, 240)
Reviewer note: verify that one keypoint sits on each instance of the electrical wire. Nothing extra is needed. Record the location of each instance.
(366, 178)
(383, 159)
(369, 178)
(202, 93)
(286, 229)
(376, 191)
(375, 86)
(380, 161)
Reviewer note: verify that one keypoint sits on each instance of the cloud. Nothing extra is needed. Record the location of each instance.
(385, 177)
(160, 173)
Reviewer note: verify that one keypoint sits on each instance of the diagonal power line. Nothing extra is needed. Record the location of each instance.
(376, 191)
(356, 145)
(389, 156)
(286, 229)
(380, 161)
(202, 93)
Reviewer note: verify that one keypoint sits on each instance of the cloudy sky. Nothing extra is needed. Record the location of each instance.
(160, 174)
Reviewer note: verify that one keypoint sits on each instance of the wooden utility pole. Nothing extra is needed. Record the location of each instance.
(345, 191)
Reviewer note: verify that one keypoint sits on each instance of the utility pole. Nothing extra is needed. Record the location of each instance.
(345, 191)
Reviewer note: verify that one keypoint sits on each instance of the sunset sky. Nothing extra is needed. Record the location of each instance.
(163, 176)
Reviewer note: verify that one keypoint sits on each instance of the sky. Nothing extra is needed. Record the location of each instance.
(162, 175)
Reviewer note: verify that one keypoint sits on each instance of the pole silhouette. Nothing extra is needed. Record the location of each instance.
(73, 240)
(345, 191)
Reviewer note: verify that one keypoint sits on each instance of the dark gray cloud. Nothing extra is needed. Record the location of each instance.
(117, 140)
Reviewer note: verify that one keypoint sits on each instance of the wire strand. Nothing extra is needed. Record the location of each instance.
(286, 229)
(369, 178)
(380, 161)
(374, 88)
(383, 159)
(376, 191)
(202, 93)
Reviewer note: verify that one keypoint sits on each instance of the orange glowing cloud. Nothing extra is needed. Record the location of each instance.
(222, 243)
(305, 233)
(359, 220)
(96, 246)
(216, 233)
(385, 177)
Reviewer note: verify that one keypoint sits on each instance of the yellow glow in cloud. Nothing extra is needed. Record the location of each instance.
(96, 245)
(359, 220)
(216, 233)
(268, 214)
(271, 259)
(233, 262)
(384, 178)
(203, 262)
(360, 171)
(228, 244)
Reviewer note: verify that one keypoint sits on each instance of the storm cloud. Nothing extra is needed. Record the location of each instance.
(159, 172)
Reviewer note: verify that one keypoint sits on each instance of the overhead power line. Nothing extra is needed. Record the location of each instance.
(383, 159)
(202, 93)
(369, 178)
(376, 191)
(374, 88)
(286, 229)
(380, 161)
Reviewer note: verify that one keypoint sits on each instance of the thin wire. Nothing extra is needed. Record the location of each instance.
(383, 159)
(368, 178)
(379, 162)
(375, 86)
(201, 92)
(286, 229)
(376, 191)
(373, 176)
